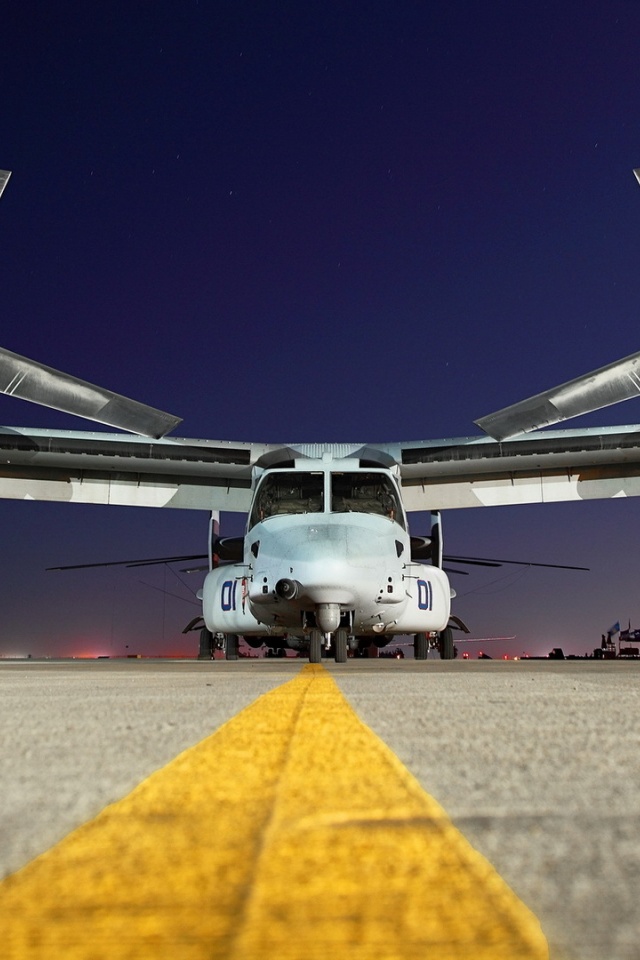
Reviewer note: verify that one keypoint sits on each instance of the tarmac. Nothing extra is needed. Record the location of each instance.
(537, 764)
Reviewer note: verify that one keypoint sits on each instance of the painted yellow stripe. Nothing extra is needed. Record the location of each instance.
(292, 832)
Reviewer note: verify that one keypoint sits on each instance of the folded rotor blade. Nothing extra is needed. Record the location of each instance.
(30, 380)
(4, 179)
(131, 563)
(486, 562)
(601, 388)
(474, 561)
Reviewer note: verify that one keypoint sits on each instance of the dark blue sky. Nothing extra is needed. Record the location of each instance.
(318, 221)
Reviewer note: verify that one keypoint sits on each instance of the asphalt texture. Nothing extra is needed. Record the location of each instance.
(537, 763)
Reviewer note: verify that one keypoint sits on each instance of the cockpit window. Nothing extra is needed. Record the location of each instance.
(365, 493)
(287, 493)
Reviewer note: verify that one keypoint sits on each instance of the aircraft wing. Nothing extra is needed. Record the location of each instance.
(125, 469)
(121, 469)
(548, 467)
(509, 468)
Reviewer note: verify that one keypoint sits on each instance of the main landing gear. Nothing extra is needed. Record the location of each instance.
(420, 646)
(231, 642)
(422, 642)
(210, 642)
(446, 644)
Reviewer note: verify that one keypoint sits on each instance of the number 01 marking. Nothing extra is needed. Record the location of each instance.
(228, 598)
(425, 595)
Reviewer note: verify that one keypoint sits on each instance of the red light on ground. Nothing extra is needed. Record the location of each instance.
(465, 656)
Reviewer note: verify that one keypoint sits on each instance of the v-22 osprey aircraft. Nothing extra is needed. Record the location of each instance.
(327, 559)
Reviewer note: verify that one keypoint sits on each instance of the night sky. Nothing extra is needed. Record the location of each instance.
(318, 221)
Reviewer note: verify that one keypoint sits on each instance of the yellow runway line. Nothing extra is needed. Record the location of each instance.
(292, 832)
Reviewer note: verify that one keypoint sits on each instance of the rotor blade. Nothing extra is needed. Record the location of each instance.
(151, 563)
(4, 179)
(30, 380)
(601, 388)
(521, 563)
(477, 561)
(483, 639)
(131, 563)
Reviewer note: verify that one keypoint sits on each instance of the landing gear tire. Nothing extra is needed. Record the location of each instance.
(231, 646)
(420, 646)
(340, 646)
(446, 644)
(315, 646)
(206, 645)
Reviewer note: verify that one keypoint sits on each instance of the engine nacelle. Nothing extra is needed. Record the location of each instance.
(429, 601)
(225, 602)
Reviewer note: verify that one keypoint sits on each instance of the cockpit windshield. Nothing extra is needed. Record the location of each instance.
(288, 493)
(283, 493)
(360, 492)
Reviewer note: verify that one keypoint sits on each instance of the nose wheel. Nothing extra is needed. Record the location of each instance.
(315, 646)
(340, 641)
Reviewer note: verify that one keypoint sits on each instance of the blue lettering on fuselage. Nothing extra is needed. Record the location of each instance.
(425, 595)
(228, 596)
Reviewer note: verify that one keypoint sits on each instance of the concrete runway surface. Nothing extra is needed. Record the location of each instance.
(537, 763)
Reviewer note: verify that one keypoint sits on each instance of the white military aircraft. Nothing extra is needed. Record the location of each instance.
(327, 556)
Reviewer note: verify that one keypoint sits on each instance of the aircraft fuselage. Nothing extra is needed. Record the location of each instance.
(327, 547)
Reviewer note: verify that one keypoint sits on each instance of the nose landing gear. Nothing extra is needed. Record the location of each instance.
(315, 646)
(340, 645)
(340, 642)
